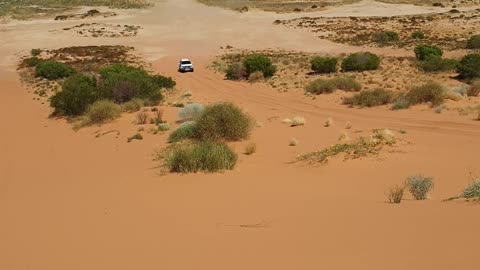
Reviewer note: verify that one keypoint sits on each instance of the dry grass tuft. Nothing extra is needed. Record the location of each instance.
(298, 121)
(395, 193)
(141, 118)
(250, 148)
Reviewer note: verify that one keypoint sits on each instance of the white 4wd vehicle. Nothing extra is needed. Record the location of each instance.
(185, 65)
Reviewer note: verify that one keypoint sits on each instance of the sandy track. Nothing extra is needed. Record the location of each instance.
(70, 201)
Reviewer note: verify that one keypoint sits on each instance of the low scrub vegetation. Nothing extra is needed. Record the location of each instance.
(418, 35)
(430, 92)
(474, 89)
(190, 112)
(133, 105)
(203, 156)
(473, 42)
(259, 63)
(184, 131)
(370, 98)
(419, 186)
(386, 37)
(327, 86)
(324, 64)
(395, 194)
(32, 61)
(435, 63)
(78, 92)
(472, 190)
(250, 149)
(360, 62)
(223, 121)
(423, 51)
(236, 72)
(53, 70)
(102, 111)
(469, 66)
(358, 148)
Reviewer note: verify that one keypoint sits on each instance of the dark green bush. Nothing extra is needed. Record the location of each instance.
(53, 70)
(122, 83)
(78, 92)
(235, 72)
(370, 98)
(469, 66)
(474, 89)
(223, 121)
(423, 51)
(473, 42)
(164, 82)
(32, 61)
(184, 131)
(418, 35)
(361, 61)
(429, 92)
(386, 37)
(433, 63)
(204, 156)
(36, 52)
(259, 63)
(324, 64)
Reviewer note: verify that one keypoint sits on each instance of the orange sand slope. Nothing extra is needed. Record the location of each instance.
(71, 201)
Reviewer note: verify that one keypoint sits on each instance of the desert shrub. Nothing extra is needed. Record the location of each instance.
(422, 51)
(204, 156)
(133, 105)
(370, 98)
(347, 83)
(32, 61)
(324, 64)
(256, 76)
(164, 82)
(429, 92)
(163, 126)
(433, 63)
(472, 190)
(419, 186)
(320, 86)
(473, 42)
(184, 131)
(190, 111)
(386, 37)
(474, 89)
(418, 35)
(361, 61)
(235, 72)
(102, 111)
(325, 86)
(250, 148)
(400, 103)
(123, 83)
(395, 194)
(137, 136)
(78, 92)
(223, 121)
(141, 118)
(35, 52)
(53, 70)
(469, 66)
(259, 63)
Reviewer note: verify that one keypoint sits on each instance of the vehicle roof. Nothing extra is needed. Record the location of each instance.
(185, 59)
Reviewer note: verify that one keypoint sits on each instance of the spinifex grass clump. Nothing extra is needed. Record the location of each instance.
(419, 186)
(395, 194)
(361, 147)
(472, 190)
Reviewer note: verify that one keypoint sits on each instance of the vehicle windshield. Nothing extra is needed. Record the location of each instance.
(186, 62)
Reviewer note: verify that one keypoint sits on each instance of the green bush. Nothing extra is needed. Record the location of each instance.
(36, 52)
(469, 66)
(32, 61)
(164, 82)
(122, 83)
(419, 186)
(323, 86)
(370, 98)
(423, 51)
(472, 190)
(418, 35)
(190, 112)
(473, 42)
(361, 61)
(474, 89)
(204, 156)
(102, 111)
(223, 121)
(235, 72)
(259, 63)
(386, 37)
(78, 92)
(400, 103)
(434, 63)
(429, 92)
(53, 70)
(184, 131)
(324, 64)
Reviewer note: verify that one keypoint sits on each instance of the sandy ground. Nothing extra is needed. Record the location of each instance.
(69, 200)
